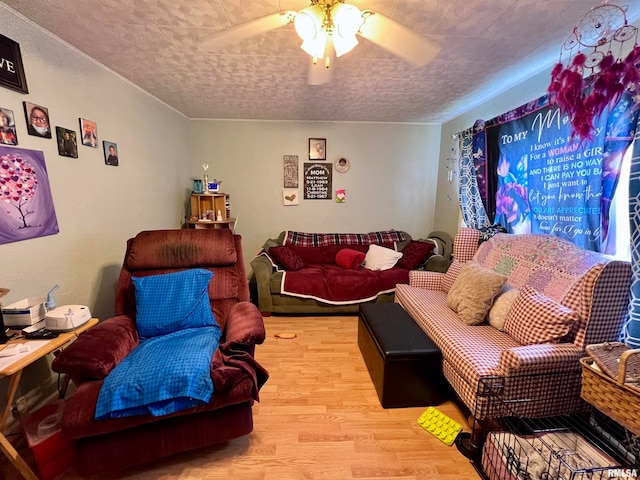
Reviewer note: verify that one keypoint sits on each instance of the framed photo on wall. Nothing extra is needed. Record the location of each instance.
(317, 149)
(11, 69)
(37, 118)
(110, 153)
(67, 142)
(89, 131)
(8, 135)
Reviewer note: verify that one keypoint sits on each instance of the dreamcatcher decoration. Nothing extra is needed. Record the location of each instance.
(597, 76)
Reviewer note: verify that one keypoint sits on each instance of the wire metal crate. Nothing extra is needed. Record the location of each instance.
(572, 446)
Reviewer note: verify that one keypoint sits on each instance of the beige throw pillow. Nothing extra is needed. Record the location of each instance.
(472, 294)
(501, 307)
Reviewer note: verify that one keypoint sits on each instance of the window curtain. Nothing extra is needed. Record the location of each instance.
(632, 330)
(471, 204)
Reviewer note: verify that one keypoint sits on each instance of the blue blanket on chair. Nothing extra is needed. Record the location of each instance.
(162, 375)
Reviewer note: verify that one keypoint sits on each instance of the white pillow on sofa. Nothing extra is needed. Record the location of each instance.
(381, 258)
(501, 307)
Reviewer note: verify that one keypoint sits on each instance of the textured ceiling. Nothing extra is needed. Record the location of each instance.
(159, 46)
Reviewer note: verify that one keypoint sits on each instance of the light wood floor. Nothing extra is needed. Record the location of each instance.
(319, 418)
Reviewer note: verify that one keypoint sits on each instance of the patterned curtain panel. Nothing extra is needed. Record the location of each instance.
(473, 211)
(633, 325)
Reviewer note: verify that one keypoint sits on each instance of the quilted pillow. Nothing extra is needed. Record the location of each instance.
(501, 307)
(381, 258)
(170, 302)
(415, 254)
(473, 291)
(535, 318)
(286, 258)
(350, 259)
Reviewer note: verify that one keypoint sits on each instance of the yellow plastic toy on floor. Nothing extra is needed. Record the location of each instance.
(441, 426)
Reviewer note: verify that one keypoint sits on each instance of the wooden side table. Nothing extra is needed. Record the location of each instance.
(12, 367)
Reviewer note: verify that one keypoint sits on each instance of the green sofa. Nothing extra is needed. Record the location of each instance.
(268, 281)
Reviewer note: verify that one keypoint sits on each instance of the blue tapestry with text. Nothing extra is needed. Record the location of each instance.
(549, 182)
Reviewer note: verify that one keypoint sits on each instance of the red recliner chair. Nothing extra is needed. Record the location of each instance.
(111, 444)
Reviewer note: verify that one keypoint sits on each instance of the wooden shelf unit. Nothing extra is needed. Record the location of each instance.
(205, 206)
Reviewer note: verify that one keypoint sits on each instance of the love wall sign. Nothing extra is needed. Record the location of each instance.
(11, 69)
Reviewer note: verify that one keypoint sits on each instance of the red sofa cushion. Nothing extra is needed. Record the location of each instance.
(286, 258)
(415, 254)
(350, 258)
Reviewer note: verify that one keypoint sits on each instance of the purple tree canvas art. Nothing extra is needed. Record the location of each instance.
(25, 196)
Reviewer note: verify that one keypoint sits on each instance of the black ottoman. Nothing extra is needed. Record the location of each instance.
(404, 364)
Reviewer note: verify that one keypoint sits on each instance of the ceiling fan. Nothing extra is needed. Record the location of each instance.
(328, 29)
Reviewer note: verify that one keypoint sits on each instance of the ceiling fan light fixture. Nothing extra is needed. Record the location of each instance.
(347, 20)
(344, 45)
(316, 46)
(309, 22)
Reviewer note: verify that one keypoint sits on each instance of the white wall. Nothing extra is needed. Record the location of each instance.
(98, 207)
(391, 182)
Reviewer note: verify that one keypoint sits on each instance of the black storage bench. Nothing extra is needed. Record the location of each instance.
(404, 364)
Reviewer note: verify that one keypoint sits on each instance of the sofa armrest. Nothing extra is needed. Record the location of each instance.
(234, 360)
(437, 263)
(426, 280)
(98, 350)
(262, 269)
(244, 327)
(543, 358)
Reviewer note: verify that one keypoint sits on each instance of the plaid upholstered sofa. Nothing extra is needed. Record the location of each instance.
(538, 379)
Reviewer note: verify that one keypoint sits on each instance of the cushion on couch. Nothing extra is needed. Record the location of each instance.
(350, 258)
(472, 294)
(415, 254)
(381, 258)
(535, 318)
(501, 307)
(286, 258)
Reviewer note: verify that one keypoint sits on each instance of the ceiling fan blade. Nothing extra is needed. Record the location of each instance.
(249, 29)
(319, 74)
(397, 39)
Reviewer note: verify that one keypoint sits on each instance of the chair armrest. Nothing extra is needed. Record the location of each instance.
(98, 350)
(426, 280)
(543, 358)
(244, 326)
(234, 360)
(262, 269)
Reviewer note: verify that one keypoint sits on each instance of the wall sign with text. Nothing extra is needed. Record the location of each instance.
(11, 69)
(317, 181)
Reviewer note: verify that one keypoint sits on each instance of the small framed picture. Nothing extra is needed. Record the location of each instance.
(37, 120)
(8, 135)
(89, 132)
(110, 153)
(317, 149)
(67, 142)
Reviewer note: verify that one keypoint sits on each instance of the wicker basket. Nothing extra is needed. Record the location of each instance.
(614, 398)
